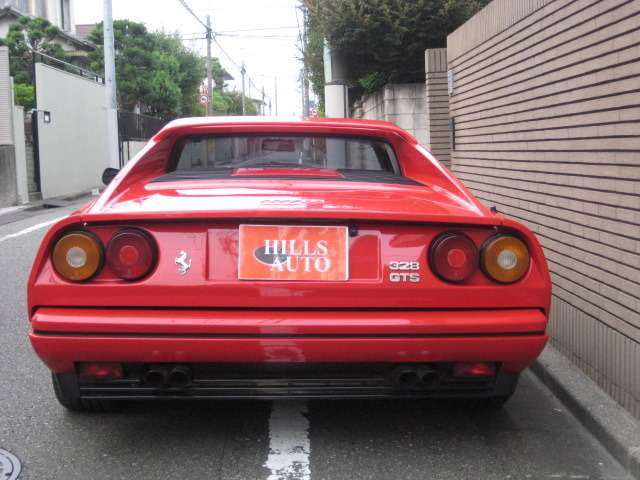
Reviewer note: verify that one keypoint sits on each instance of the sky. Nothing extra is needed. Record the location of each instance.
(262, 33)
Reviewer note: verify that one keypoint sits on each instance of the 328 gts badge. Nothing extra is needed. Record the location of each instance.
(404, 272)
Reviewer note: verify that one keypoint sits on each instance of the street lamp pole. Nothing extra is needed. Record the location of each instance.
(111, 103)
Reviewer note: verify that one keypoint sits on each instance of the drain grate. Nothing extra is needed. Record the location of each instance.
(9, 466)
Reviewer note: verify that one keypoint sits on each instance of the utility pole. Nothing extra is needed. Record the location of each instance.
(302, 112)
(305, 94)
(262, 105)
(336, 92)
(243, 71)
(276, 95)
(111, 100)
(209, 68)
(304, 81)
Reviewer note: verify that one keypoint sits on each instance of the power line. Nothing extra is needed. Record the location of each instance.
(239, 67)
(193, 14)
(224, 52)
(284, 37)
(257, 29)
(211, 36)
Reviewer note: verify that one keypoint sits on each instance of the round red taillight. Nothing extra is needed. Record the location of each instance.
(131, 254)
(453, 257)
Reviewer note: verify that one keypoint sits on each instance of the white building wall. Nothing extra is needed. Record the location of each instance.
(49, 9)
(72, 146)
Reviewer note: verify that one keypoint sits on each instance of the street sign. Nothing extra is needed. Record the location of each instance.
(204, 99)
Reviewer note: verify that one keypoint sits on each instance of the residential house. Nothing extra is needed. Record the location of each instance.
(59, 13)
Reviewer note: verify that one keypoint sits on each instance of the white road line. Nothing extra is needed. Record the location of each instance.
(30, 229)
(289, 445)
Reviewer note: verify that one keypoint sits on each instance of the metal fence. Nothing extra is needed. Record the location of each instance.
(40, 57)
(137, 127)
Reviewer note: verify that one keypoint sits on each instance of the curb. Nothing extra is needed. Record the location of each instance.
(602, 416)
(39, 207)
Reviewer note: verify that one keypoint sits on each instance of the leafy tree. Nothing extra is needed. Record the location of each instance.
(313, 56)
(218, 74)
(155, 71)
(230, 103)
(24, 37)
(381, 41)
(235, 107)
(25, 96)
(185, 67)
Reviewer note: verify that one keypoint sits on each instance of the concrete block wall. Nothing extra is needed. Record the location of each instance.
(8, 188)
(547, 122)
(399, 103)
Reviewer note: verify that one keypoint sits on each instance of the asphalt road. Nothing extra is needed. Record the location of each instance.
(532, 437)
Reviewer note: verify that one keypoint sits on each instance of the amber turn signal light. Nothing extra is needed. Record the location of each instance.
(77, 256)
(505, 258)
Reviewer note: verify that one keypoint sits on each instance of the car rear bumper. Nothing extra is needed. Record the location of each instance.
(308, 380)
(63, 337)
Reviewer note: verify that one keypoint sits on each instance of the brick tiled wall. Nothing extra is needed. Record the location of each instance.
(547, 112)
(437, 104)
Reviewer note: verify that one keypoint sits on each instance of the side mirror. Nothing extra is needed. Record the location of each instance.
(109, 174)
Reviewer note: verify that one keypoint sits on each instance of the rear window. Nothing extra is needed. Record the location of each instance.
(284, 151)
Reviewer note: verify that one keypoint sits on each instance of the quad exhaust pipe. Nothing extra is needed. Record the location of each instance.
(178, 377)
(411, 378)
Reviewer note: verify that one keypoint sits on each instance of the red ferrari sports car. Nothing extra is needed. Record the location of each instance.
(258, 258)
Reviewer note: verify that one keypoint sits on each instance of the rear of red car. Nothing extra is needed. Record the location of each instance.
(295, 259)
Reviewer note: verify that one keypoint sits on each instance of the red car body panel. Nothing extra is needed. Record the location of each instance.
(213, 280)
(287, 336)
(211, 316)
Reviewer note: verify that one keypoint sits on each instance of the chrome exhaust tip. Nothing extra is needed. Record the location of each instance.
(179, 377)
(427, 377)
(405, 378)
(155, 377)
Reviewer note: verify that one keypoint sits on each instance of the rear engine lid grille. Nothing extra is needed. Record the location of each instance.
(340, 175)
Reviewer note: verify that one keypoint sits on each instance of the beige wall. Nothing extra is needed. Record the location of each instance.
(547, 111)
